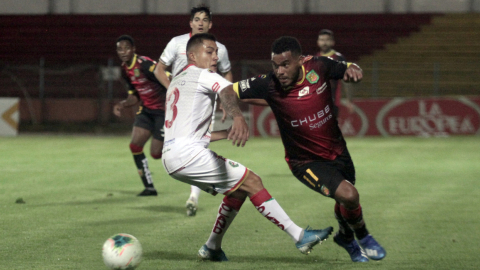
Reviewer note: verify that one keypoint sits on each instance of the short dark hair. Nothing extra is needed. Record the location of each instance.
(127, 38)
(285, 44)
(198, 39)
(325, 32)
(200, 8)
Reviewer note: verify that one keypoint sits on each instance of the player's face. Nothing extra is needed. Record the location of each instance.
(200, 23)
(286, 67)
(325, 43)
(125, 51)
(206, 55)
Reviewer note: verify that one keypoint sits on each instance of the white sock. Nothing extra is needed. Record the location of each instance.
(194, 193)
(275, 213)
(224, 219)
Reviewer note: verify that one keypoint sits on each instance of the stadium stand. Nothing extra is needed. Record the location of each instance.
(441, 59)
(74, 41)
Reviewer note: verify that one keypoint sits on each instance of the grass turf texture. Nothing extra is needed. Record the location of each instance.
(419, 197)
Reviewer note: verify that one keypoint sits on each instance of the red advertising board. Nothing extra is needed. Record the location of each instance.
(395, 117)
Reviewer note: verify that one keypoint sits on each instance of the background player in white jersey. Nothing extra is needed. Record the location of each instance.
(174, 55)
(189, 107)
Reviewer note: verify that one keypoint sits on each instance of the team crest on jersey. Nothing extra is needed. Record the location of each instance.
(312, 77)
(136, 72)
(233, 164)
(325, 191)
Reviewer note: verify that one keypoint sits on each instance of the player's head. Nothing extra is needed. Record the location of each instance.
(200, 19)
(325, 40)
(202, 51)
(287, 60)
(125, 48)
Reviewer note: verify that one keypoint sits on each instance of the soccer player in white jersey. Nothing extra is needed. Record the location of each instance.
(174, 56)
(189, 108)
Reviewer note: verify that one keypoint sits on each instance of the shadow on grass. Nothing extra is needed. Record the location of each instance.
(162, 209)
(128, 221)
(177, 256)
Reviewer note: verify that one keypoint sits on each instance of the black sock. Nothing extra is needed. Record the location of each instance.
(142, 166)
(343, 228)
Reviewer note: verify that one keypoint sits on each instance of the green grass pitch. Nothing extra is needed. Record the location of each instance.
(420, 199)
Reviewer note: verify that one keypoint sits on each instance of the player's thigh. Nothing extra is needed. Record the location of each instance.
(142, 128)
(322, 176)
(212, 173)
(140, 136)
(156, 147)
(158, 131)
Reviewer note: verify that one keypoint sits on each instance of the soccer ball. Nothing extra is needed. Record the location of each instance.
(122, 251)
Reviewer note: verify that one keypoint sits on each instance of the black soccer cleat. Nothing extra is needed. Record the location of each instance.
(148, 192)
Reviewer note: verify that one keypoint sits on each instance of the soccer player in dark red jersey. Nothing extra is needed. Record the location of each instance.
(325, 42)
(299, 93)
(143, 86)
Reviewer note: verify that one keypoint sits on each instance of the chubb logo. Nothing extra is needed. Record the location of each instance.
(429, 117)
(311, 118)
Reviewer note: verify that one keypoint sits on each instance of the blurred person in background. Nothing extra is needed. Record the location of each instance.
(143, 87)
(325, 43)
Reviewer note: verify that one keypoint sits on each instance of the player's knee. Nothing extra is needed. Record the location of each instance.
(136, 148)
(156, 155)
(347, 195)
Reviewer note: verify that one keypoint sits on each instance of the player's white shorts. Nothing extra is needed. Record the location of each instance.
(212, 173)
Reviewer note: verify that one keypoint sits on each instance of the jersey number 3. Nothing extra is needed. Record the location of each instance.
(172, 107)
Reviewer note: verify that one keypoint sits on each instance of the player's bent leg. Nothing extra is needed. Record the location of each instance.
(156, 147)
(139, 137)
(304, 240)
(351, 212)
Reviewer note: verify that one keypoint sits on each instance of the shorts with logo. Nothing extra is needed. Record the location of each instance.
(324, 176)
(152, 120)
(212, 173)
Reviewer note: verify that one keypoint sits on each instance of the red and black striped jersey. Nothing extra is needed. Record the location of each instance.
(335, 84)
(303, 112)
(142, 82)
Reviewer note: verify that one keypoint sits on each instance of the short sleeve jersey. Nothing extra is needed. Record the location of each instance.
(303, 112)
(189, 109)
(175, 55)
(142, 82)
(335, 84)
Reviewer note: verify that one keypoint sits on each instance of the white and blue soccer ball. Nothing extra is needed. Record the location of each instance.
(122, 251)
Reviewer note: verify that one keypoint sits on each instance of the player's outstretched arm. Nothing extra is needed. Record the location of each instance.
(160, 74)
(239, 132)
(353, 73)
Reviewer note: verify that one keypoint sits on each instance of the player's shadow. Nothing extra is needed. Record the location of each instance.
(177, 256)
(162, 209)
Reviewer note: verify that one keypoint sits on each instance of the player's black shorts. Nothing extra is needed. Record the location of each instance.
(152, 120)
(324, 176)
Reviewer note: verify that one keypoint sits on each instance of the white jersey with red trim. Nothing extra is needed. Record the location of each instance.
(175, 55)
(189, 108)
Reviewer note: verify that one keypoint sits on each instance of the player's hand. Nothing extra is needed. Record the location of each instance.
(224, 113)
(353, 74)
(239, 131)
(117, 110)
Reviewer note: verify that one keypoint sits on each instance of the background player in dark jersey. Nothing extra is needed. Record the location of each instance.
(143, 86)
(299, 94)
(325, 42)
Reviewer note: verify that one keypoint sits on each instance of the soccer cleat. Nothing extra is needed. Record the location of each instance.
(148, 192)
(356, 253)
(372, 248)
(191, 208)
(312, 238)
(206, 254)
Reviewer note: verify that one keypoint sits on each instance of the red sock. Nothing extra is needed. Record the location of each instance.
(355, 221)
